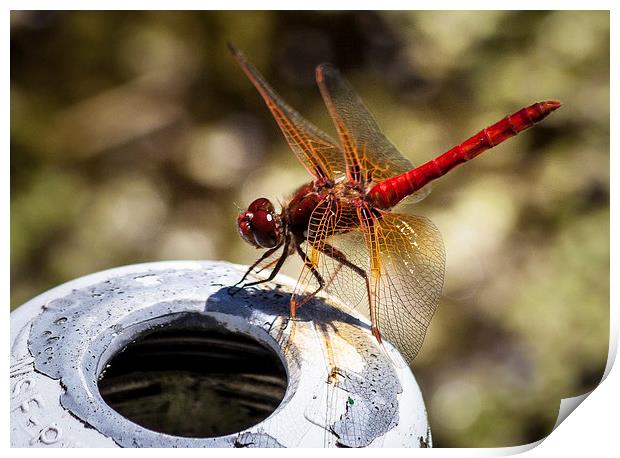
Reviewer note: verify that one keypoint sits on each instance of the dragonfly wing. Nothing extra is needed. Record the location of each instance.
(370, 157)
(328, 222)
(317, 152)
(347, 284)
(412, 263)
(322, 225)
(403, 258)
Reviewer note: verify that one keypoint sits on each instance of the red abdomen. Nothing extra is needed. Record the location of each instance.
(389, 192)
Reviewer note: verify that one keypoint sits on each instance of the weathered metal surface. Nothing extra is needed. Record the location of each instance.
(343, 388)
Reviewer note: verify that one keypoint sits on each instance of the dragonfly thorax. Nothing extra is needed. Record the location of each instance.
(260, 225)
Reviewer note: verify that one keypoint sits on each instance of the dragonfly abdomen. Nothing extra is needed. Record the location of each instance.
(389, 192)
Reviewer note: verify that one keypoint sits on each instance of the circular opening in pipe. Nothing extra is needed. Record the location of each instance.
(194, 378)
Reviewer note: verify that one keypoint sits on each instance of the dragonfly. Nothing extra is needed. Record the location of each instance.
(341, 223)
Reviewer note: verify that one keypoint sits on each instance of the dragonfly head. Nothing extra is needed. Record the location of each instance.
(260, 225)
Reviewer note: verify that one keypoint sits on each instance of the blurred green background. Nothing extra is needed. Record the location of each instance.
(135, 137)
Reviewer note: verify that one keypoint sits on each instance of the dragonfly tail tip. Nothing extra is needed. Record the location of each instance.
(550, 105)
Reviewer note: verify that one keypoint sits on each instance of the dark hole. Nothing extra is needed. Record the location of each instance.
(194, 378)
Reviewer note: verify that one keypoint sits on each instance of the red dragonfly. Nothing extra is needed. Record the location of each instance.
(355, 247)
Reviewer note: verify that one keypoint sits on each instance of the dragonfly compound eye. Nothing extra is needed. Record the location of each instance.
(244, 222)
(262, 204)
(265, 229)
(258, 225)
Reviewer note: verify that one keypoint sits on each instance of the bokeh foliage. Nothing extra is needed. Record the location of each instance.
(135, 137)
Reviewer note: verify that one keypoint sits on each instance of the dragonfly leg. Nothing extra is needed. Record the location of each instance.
(315, 273)
(267, 266)
(339, 256)
(332, 277)
(275, 270)
(258, 261)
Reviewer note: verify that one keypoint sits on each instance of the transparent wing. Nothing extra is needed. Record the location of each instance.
(412, 273)
(403, 258)
(326, 219)
(370, 157)
(317, 152)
